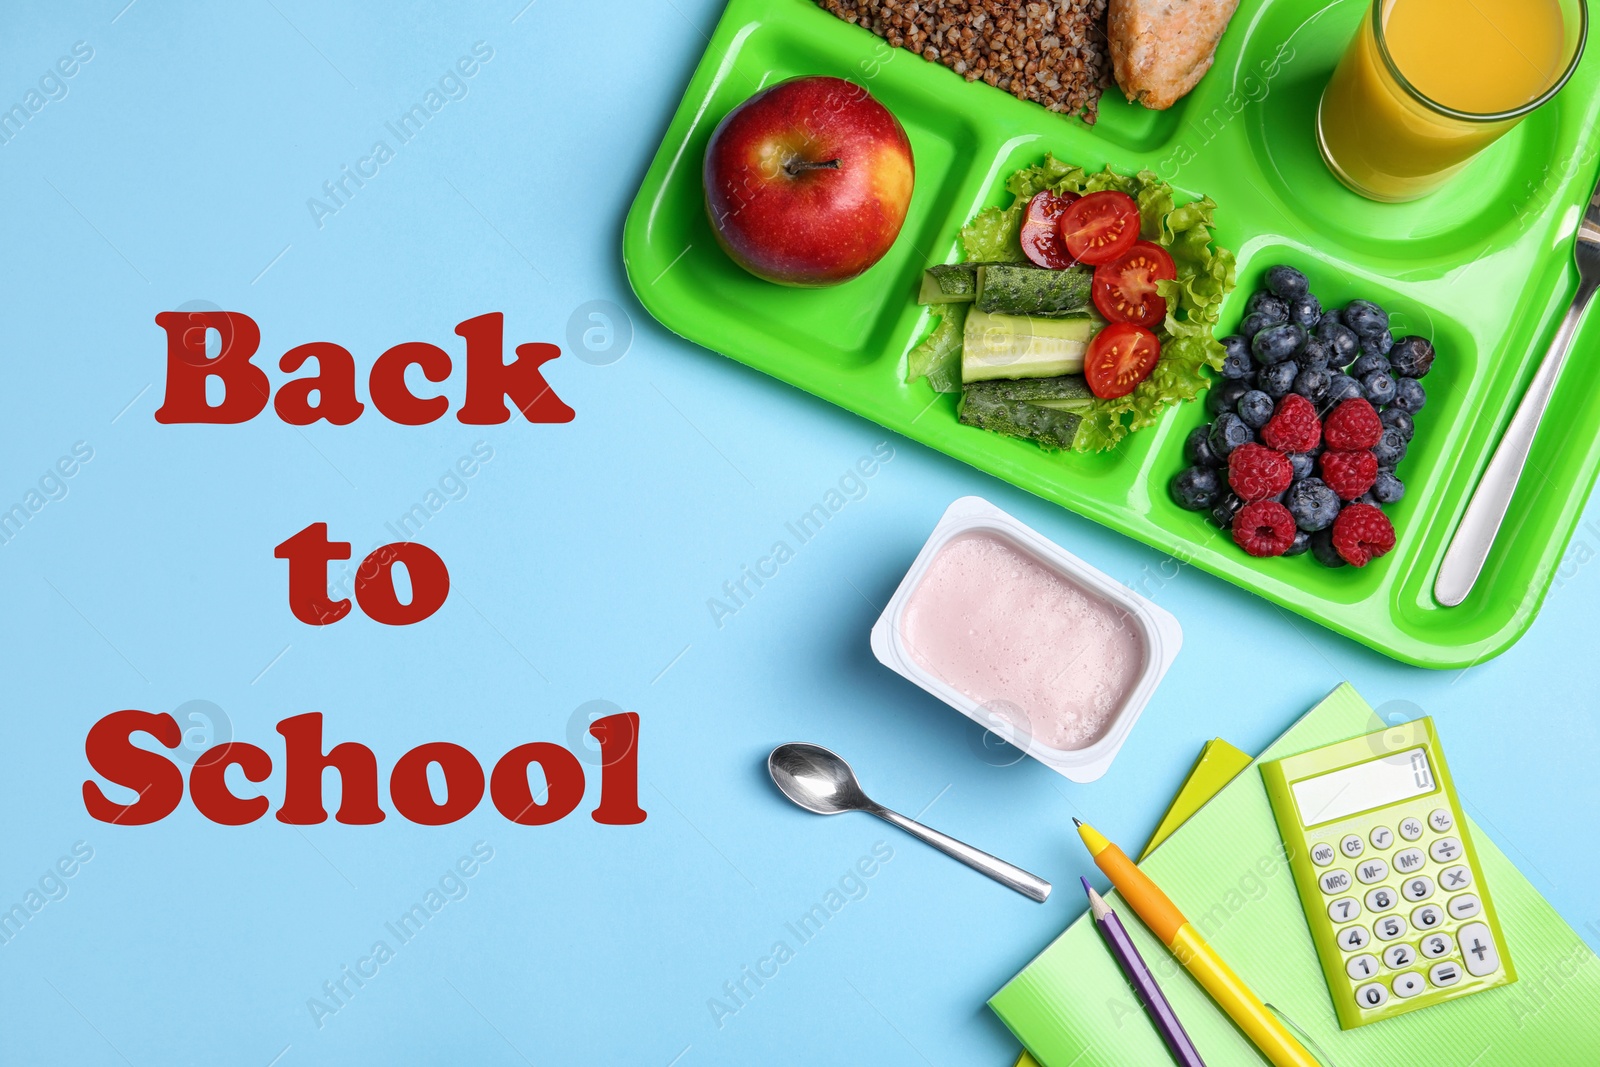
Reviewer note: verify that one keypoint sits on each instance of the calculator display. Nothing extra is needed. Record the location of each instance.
(1364, 786)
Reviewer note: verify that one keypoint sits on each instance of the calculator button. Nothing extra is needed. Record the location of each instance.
(1408, 984)
(1389, 927)
(1372, 995)
(1381, 899)
(1418, 888)
(1372, 871)
(1334, 882)
(1465, 906)
(1441, 820)
(1344, 909)
(1435, 945)
(1443, 974)
(1428, 917)
(1381, 837)
(1477, 947)
(1351, 846)
(1398, 956)
(1353, 937)
(1409, 860)
(1454, 878)
(1410, 829)
(1322, 854)
(1445, 850)
(1362, 966)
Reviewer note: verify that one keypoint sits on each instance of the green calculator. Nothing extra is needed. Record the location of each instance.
(1387, 873)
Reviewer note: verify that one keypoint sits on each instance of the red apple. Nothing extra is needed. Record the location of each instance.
(808, 181)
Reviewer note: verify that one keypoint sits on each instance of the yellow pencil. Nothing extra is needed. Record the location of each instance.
(1200, 959)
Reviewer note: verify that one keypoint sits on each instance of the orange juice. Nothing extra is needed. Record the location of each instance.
(1426, 84)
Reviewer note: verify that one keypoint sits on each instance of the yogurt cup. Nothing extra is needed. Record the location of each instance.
(1146, 630)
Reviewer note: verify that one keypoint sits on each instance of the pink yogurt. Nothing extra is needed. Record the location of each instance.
(997, 625)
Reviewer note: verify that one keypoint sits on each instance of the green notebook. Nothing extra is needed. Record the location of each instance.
(1225, 868)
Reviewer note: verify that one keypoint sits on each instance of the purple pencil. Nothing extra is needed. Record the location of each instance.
(1143, 982)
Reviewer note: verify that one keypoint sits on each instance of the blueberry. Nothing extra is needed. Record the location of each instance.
(1367, 363)
(1341, 387)
(1343, 344)
(1364, 317)
(1270, 307)
(1378, 387)
(1379, 341)
(1196, 488)
(1398, 418)
(1412, 356)
(1298, 546)
(1387, 489)
(1224, 396)
(1305, 311)
(1255, 408)
(1197, 448)
(1287, 282)
(1302, 463)
(1253, 324)
(1313, 505)
(1330, 319)
(1312, 383)
(1314, 353)
(1322, 548)
(1238, 366)
(1228, 433)
(1226, 509)
(1409, 395)
(1278, 379)
(1277, 343)
(1390, 449)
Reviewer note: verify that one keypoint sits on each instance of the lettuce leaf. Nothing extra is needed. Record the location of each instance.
(938, 357)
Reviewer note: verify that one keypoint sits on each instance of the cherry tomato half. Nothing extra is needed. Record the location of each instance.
(1125, 291)
(1041, 241)
(1100, 227)
(1120, 357)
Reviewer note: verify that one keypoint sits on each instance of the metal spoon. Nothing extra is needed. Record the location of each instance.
(819, 781)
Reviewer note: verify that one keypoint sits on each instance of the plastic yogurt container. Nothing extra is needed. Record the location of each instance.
(1026, 639)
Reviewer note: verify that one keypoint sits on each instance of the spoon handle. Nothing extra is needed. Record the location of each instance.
(1029, 885)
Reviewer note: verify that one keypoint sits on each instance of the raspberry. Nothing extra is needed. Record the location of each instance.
(1266, 528)
(1353, 425)
(1349, 474)
(1295, 427)
(1256, 473)
(1361, 534)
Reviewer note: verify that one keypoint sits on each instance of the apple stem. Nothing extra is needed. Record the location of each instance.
(800, 166)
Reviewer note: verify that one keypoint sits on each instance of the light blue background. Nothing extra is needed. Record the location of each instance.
(177, 169)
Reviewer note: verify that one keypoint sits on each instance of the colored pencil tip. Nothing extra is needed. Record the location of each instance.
(1086, 886)
(1077, 821)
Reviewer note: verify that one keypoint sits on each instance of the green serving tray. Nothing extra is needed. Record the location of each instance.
(1484, 267)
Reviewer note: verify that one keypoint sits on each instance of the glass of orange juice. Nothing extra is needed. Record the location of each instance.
(1427, 84)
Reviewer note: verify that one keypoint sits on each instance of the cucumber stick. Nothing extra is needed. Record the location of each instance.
(1050, 427)
(1013, 290)
(949, 283)
(1018, 346)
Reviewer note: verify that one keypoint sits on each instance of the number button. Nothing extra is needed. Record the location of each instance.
(1408, 984)
(1418, 888)
(1372, 871)
(1445, 850)
(1353, 937)
(1441, 820)
(1322, 854)
(1372, 995)
(1380, 899)
(1344, 909)
(1477, 947)
(1363, 966)
(1335, 881)
(1410, 829)
(1351, 846)
(1389, 927)
(1409, 860)
(1465, 906)
(1427, 917)
(1454, 878)
(1398, 956)
(1443, 974)
(1381, 837)
(1436, 945)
